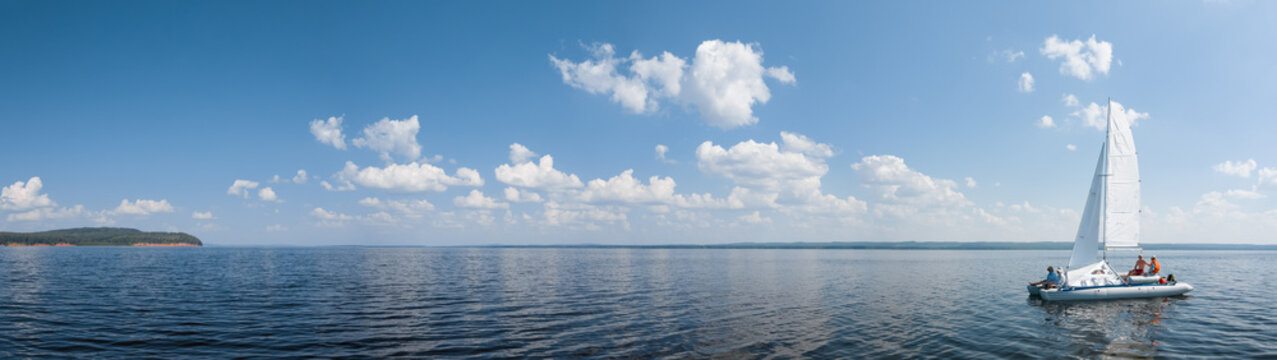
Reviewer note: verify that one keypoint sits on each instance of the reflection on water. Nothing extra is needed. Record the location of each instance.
(636, 303)
(1126, 328)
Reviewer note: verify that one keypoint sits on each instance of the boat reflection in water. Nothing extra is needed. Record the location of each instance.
(1118, 328)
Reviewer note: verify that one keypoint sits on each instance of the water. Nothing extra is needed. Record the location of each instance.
(651, 303)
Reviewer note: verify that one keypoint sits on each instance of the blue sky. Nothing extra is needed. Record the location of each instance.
(812, 122)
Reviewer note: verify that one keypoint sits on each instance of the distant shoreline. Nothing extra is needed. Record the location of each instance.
(911, 245)
(894, 246)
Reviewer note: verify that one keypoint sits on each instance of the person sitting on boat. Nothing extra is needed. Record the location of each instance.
(1139, 267)
(1052, 279)
(1154, 267)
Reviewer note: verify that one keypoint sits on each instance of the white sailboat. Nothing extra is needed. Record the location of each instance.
(1112, 218)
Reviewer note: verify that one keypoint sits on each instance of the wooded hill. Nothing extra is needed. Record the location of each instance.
(102, 236)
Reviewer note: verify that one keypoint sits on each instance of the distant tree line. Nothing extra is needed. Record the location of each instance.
(102, 236)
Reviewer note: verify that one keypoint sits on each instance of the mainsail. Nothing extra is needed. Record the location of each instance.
(1121, 186)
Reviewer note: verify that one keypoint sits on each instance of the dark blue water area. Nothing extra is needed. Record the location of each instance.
(629, 303)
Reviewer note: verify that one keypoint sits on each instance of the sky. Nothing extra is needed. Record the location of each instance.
(471, 123)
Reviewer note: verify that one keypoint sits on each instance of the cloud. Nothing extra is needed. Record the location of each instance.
(1025, 85)
(537, 175)
(660, 154)
(513, 194)
(1096, 116)
(520, 154)
(1081, 59)
(785, 176)
(406, 177)
(754, 218)
(1268, 177)
(329, 132)
(758, 165)
(329, 215)
(1239, 168)
(970, 182)
(241, 187)
(268, 194)
(22, 196)
(300, 178)
(600, 76)
(1243, 194)
(477, 200)
(206, 215)
(1046, 122)
(46, 213)
(726, 79)
(143, 207)
(1070, 147)
(1069, 100)
(1008, 54)
(798, 143)
(902, 190)
(625, 188)
(412, 209)
(723, 81)
(582, 215)
(276, 228)
(392, 136)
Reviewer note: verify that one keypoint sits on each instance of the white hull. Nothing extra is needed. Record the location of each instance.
(1142, 279)
(1115, 292)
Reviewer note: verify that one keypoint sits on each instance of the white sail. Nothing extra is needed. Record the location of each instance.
(1087, 242)
(1121, 186)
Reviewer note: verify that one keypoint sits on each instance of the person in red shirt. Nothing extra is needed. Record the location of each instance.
(1139, 267)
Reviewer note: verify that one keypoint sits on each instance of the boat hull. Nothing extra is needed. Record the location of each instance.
(1035, 290)
(1142, 279)
(1116, 292)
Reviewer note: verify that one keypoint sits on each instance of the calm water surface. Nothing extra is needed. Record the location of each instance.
(332, 302)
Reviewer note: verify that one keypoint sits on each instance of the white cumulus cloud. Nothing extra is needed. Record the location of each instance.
(300, 178)
(520, 154)
(513, 194)
(726, 79)
(143, 207)
(267, 194)
(205, 215)
(535, 175)
(786, 175)
(329, 132)
(1070, 147)
(723, 81)
(660, 154)
(1081, 59)
(45, 213)
(406, 177)
(392, 137)
(1238, 168)
(241, 187)
(902, 190)
(1096, 116)
(1046, 122)
(24, 195)
(477, 200)
(626, 188)
(1025, 84)
(1069, 100)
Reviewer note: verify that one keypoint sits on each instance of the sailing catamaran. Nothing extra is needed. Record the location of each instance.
(1112, 218)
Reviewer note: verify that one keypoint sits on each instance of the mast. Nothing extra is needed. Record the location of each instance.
(1108, 130)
